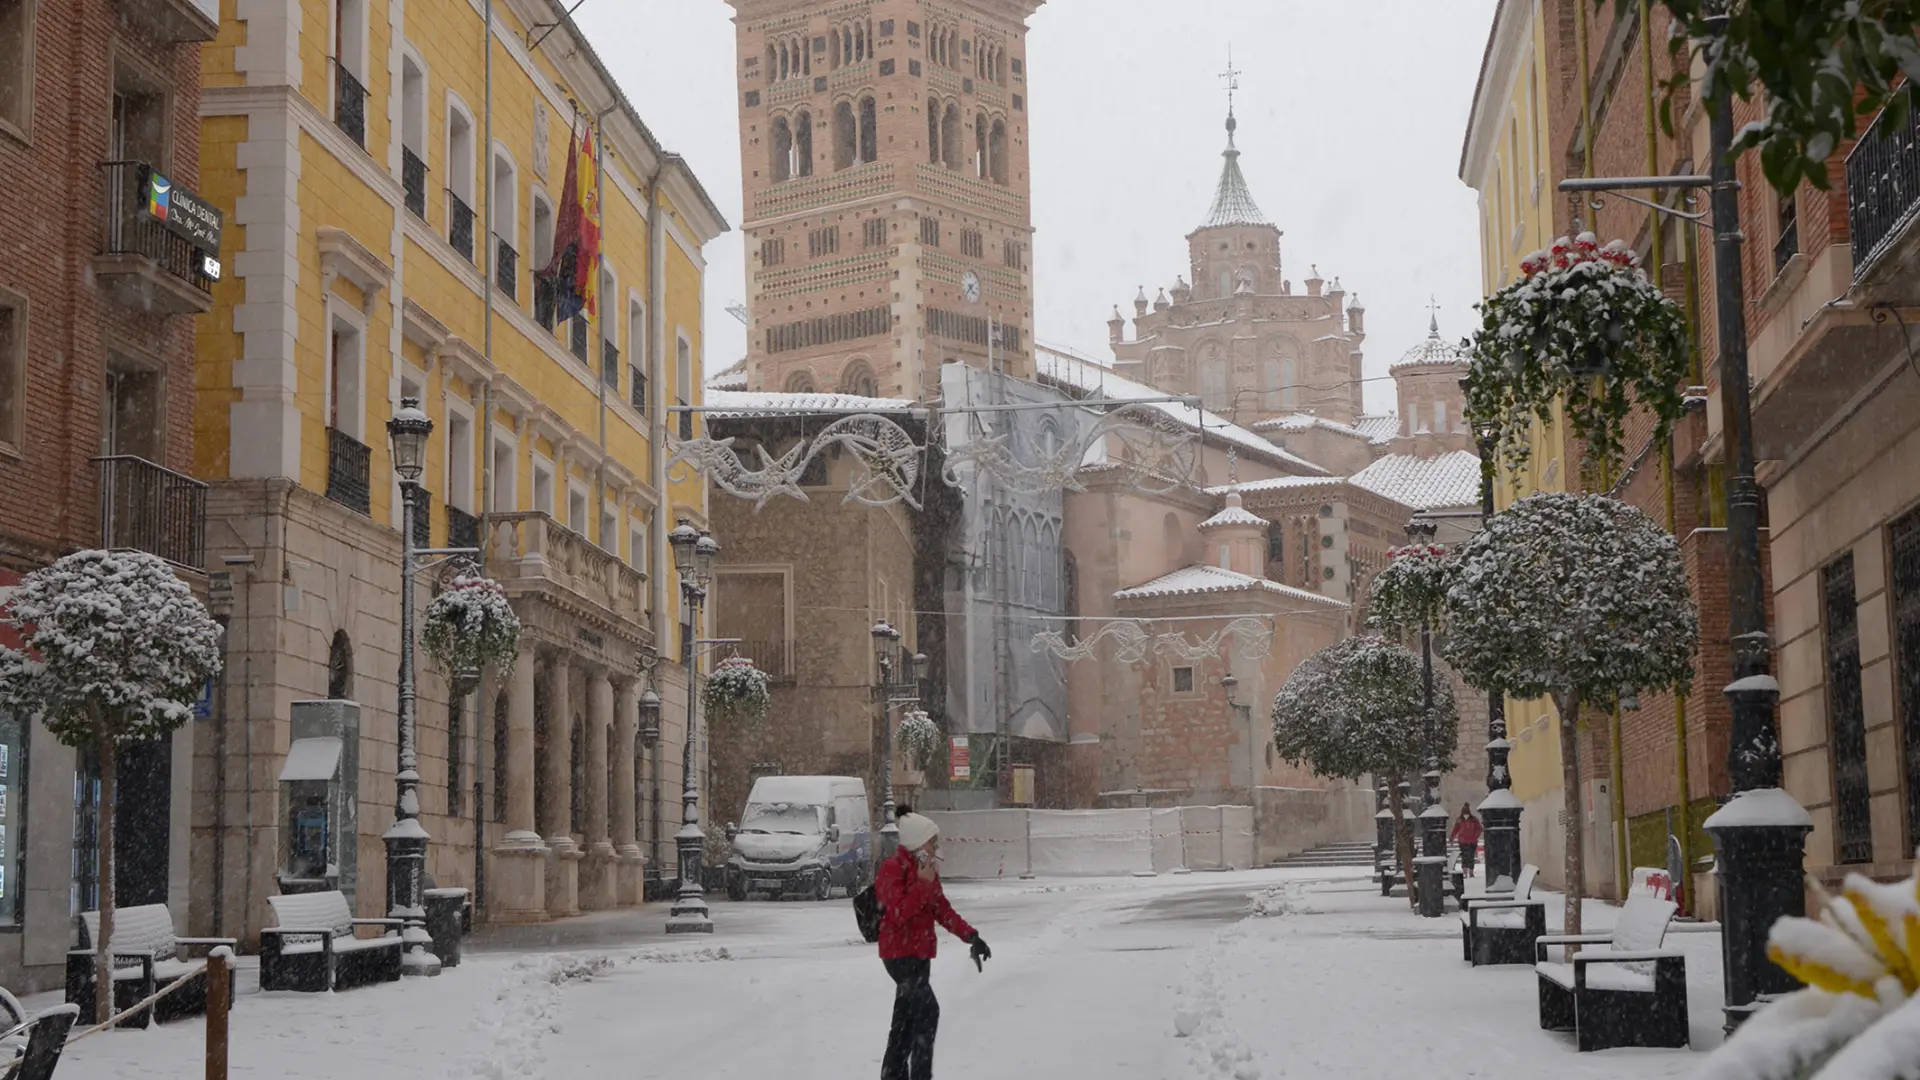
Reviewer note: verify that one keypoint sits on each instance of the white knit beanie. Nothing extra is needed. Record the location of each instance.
(916, 832)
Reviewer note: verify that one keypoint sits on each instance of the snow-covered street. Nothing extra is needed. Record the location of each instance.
(1262, 974)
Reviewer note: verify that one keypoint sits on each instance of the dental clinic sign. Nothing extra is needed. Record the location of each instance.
(186, 215)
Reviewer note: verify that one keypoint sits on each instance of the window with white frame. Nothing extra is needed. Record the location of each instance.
(610, 531)
(637, 543)
(13, 368)
(637, 355)
(542, 485)
(506, 488)
(459, 460)
(459, 168)
(16, 65)
(346, 365)
(577, 508)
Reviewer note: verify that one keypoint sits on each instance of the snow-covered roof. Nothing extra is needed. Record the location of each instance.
(1434, 350)
(733, 378)
(1096, 379)
(1307, 422)
(1234, 514)
(1451, 479)
(1278, 482)
(766, 402)
(1380, 429)
(1232, 203)
(1196, 580)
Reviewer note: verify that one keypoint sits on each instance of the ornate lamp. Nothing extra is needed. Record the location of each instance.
(407, 433)
(649, 718)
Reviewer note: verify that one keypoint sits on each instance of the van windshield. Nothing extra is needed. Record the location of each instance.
(784, 817)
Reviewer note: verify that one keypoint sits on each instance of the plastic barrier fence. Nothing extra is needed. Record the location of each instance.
(1095, 843)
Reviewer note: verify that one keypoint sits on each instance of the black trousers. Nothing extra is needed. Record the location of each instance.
(916, 1018)
(1467, 852)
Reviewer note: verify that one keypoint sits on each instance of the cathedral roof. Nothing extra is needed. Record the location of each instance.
(1194, 580)
(722, 403)
(1234, 514)
(1434, 350)
(1451, 479)
(1379, 429)
(733, 378)
(1232, 203)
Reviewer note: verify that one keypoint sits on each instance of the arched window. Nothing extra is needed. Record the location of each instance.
(834, 59)
(846, 135)
(1214, 378)
(782, 150)
(784, 59)
(997, 152)
(953, 47)
(869, 130)
(857, 379)
(803, 144)
(800, 382)
(806, 56)
(1289, 377)
(340, 667)
(1172, 539)
(950, 137)
(1070, 598)
(1050, 567)
(773, 63)
(980, 146)
(933, 131)
(846, 44)
(1226, 283)
(859, 41)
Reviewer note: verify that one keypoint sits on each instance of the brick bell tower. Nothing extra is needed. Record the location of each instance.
(889, 222)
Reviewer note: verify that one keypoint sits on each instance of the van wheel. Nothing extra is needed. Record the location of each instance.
(823, 889)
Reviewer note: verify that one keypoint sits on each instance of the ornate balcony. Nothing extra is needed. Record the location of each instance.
(423, 519)
(463, 529)
(349, 475)
(506, 268)
(349, 104)
(545, 564)
(142, 263)
(460, 225)
(610, 364)
(147, 507)
(413, 177)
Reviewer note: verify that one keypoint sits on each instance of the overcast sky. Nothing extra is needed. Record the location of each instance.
(1351, 114)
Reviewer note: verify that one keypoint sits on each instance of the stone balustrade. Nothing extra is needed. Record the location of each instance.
(530, 546)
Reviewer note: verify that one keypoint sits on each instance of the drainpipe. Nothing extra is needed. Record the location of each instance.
(656, 451)
(486, 485)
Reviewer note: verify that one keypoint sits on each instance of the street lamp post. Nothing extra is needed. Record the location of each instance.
(406, 838)
(693, 553)
(1433, 818)
(1500, 810)
(886, 694)
(650, 739)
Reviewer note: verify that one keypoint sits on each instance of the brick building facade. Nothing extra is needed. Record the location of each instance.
(99, 108)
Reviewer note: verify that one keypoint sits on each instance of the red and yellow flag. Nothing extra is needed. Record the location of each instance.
(575, 269)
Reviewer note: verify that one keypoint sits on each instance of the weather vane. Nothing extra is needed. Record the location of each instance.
(1232, 76)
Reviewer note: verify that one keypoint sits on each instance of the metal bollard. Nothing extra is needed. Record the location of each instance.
(1428, 871)
(219, 995)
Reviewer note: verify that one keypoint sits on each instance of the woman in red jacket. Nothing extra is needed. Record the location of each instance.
(1466, 833)
(908, 888)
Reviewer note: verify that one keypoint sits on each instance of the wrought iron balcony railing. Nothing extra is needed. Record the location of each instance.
(423, 519)
(349, 471)
(579, 337)
(349, 104)
(148, 507)
(506, 267)
(463, 529)
(459, 225)
(1883, 187)
(1787, 246)
(610, 364)
(637, 388)
(413, 177)
(131, 230)
(544, 301)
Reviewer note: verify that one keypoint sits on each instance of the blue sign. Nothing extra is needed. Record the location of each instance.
(203, 705)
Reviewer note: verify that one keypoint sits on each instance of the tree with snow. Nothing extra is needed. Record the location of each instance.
(1358, 708)
(1579, 598)
(116, 650)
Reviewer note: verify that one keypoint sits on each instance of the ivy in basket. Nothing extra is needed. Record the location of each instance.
(1584, 328)
(471, 625)
(737, 691)
(919, 738)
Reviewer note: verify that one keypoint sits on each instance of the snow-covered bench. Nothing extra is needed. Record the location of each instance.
(30, 1045)
(146, 957)
(1632, 993)
(314, 947)
(1501, 926)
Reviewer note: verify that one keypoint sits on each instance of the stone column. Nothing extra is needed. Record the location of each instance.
(517, 880)
(597, 873)
(563, 866)
(629, 874)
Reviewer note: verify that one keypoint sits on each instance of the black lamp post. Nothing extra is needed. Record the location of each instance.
(650, 739)
(406, 839)
(1433, 818)
(693, 553)
(886, 694)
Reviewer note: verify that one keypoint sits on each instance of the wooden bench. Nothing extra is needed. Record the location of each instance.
(30, 1045)
(146, 957)
(1500, 927)
(1632, 993)
(314, 948)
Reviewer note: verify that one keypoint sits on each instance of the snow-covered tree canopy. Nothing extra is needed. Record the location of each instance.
(115, 644)
(471, 625)
(1410, 590)
(1358, 707)
(1578, 310)
(1571, 593)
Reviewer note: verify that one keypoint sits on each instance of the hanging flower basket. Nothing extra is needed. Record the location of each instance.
(737, 691)
(469, 626)
(1583, 328)
(1411, 589)
(919, 738)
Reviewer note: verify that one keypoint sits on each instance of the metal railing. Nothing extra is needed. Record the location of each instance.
(771, 655)
(132, 230)
(148, 507)
(423, 518)
(1883, 187)
(579, 337)
(413, 178)
(544, 300)
(637, 388)
(349, 471)
(506, 267)
(610, 363)
(459, 225)
(686, 422)
(1787, 246)
(463, 529)
(349, 103)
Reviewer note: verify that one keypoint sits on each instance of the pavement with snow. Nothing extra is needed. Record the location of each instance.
(1257, 975)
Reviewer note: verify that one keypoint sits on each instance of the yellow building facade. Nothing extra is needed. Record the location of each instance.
(392, 175)
(1505, 160)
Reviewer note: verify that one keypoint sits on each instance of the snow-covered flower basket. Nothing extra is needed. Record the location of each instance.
(1579, 310)
(471, 625)
(919, 737)
(1410, 590)
(1858, 1018)
(737, 691)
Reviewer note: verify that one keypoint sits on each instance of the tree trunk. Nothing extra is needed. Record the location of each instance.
(1569, 706)
(1402, 843)
(103, 959)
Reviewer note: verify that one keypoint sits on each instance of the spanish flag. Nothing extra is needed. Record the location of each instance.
(575, 269)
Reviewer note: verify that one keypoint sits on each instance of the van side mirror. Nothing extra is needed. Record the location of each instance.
(732, 831)
(833, 833)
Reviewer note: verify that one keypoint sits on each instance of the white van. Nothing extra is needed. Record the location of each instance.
(801, 834)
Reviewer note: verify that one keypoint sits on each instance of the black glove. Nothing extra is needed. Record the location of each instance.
(979, 951)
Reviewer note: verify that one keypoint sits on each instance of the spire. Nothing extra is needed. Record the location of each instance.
(1433, 320)
(1232, 203)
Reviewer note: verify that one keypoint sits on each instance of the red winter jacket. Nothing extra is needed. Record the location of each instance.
(911, 908)
(1467, 831)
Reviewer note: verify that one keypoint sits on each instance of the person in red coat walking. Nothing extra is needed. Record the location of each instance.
(908, 888)
(1466, 833)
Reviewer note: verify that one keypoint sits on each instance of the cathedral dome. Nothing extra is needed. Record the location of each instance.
(1434, 350)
